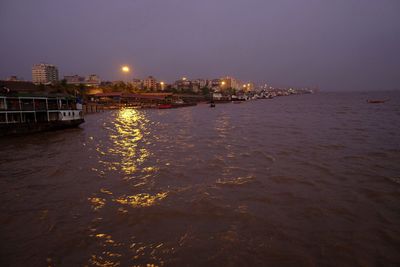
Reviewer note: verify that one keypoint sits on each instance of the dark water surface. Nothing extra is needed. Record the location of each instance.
(310, 180)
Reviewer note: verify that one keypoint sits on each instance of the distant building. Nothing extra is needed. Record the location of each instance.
(230, 82)
(150, 83)
(216, 84)
(92, 80)
(198, 84)
(250, 87)
(137, 84)
(183, 84)
(44, 74)
(74, 79)
(13, 78)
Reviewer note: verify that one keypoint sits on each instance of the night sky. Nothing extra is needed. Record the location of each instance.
(336, 44)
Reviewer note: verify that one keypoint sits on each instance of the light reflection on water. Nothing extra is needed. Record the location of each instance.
(141, 200)
(130, 127)
(125, 153)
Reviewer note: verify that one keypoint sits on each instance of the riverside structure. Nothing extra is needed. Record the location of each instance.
(28, 114)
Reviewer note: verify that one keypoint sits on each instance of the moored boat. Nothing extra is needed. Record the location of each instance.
(29, 114)
(164, 106)
(376, 101)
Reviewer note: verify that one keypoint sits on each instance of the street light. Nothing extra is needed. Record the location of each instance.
(162, 86)
(125, 69)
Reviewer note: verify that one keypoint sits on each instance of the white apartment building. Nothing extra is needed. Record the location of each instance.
(44, 74)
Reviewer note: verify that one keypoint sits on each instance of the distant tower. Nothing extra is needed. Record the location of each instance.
(44, 74)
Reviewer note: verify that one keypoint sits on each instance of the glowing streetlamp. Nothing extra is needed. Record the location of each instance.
(125, 69)
(162, 86)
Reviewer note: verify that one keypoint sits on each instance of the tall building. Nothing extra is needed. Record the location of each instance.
(44, 74)
(150, 83)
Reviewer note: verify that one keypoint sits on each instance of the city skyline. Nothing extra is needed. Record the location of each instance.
(346, 45)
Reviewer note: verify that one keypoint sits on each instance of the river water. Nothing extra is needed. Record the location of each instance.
(310, 180)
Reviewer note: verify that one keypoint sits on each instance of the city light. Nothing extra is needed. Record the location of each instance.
(223, 82)
(125, 68)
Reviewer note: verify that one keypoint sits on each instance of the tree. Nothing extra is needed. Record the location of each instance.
(63, 83)
(205, 91)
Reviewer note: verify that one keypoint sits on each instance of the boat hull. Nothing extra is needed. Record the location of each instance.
(376, 101)
(26, 128)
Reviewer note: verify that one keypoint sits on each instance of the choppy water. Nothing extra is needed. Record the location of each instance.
(310, 180)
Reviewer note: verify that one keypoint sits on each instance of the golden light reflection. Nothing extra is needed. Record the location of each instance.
(142, 250)
(150, 169)
(108, 257)
(141, 200)
(97, 203)
(105, 191)
(101, 262)
(130, 129)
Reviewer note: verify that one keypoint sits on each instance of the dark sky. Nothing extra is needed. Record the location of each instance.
(336, 44)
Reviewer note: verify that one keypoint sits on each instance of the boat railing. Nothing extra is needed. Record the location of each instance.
(27, 106)
(40, 105)
(32, 104)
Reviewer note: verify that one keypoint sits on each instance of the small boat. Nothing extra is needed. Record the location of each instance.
(212, 105)
(375, 101)
(164, 106)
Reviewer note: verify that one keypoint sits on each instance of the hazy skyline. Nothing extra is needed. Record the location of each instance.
(338, 45)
